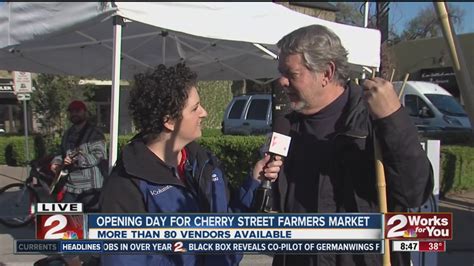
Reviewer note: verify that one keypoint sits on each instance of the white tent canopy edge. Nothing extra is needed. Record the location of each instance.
(25, 27)
(208, 36)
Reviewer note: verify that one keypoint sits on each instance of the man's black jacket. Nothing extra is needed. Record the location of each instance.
(408, 172)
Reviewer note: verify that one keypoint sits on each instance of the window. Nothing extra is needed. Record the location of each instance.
(415, 104)
(447, 105)
(237, 109)
(103, 116)
(258, 109)
(411, 104)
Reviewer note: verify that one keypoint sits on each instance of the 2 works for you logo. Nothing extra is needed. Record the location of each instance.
(419, 225)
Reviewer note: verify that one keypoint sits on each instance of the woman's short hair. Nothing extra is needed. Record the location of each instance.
(159, 95)
(318, 46)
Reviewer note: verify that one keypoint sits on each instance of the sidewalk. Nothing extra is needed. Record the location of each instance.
(14, 175)
(460, 250)
(9, 174)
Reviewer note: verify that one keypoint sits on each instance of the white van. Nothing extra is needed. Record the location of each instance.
(248, 115)
(432, 108)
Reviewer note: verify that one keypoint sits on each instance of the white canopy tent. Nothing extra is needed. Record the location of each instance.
(220, 41)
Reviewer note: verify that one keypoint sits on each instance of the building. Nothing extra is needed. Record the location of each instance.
(322, 10)
(102, 104)
(12, 117)
(8, 102)
(11, 110)
(429, 60)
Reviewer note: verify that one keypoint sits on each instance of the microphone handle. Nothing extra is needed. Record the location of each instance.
(262, 200)
(267, 183)
(272, 158)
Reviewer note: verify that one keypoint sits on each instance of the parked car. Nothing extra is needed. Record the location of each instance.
(248, 115)
(433, 109)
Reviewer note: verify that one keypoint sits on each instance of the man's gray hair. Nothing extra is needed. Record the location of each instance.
(319, 46)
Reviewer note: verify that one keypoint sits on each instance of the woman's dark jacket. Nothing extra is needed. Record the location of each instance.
(408, 172)
(141, 182)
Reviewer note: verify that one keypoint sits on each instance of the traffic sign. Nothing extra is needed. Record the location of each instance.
(23, 96)
(22, 81)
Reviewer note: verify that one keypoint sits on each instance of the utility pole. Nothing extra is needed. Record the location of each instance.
(459, 64)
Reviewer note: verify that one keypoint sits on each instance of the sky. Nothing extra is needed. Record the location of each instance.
(402, 12)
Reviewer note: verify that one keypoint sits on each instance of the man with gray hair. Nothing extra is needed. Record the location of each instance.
(330, 164)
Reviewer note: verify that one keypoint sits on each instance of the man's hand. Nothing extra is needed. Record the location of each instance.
(269, 171)
(381, 97)
(68, 160)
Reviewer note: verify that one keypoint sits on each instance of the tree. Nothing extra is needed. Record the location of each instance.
(350, 13)
(426, 23)
(50, 99)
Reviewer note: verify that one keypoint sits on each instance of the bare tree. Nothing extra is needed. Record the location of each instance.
(426, 24)
(351, 13)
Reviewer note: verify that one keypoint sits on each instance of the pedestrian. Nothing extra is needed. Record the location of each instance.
(82, 153)
(80, 167)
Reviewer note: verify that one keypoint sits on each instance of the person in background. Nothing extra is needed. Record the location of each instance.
(82, 153)
(333, 123)
(163, 170)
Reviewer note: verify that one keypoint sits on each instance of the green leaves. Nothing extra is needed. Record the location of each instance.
(215, 95)
(238, 154)
(50, 99)
(457, 168)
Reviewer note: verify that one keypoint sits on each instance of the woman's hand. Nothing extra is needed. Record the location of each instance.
(264, 169)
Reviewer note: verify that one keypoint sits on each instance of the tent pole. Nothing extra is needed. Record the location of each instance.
(366, 23)
(163, 50)
(265, 50)
(115, 93)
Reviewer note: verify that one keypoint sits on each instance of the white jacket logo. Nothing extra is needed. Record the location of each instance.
(214, 177)
(156, 192)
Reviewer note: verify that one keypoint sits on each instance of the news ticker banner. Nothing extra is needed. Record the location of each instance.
(65, 221)
(196, 246)
(235, 226)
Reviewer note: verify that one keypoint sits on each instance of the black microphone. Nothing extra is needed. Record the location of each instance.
(276, 144)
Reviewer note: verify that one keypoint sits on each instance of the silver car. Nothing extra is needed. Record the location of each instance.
(248, 115)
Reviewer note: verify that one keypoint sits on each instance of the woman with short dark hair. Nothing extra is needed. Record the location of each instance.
(162, 169)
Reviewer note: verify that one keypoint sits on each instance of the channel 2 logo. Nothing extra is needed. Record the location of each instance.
(419, 225)
(178, 247)
(60, 226)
